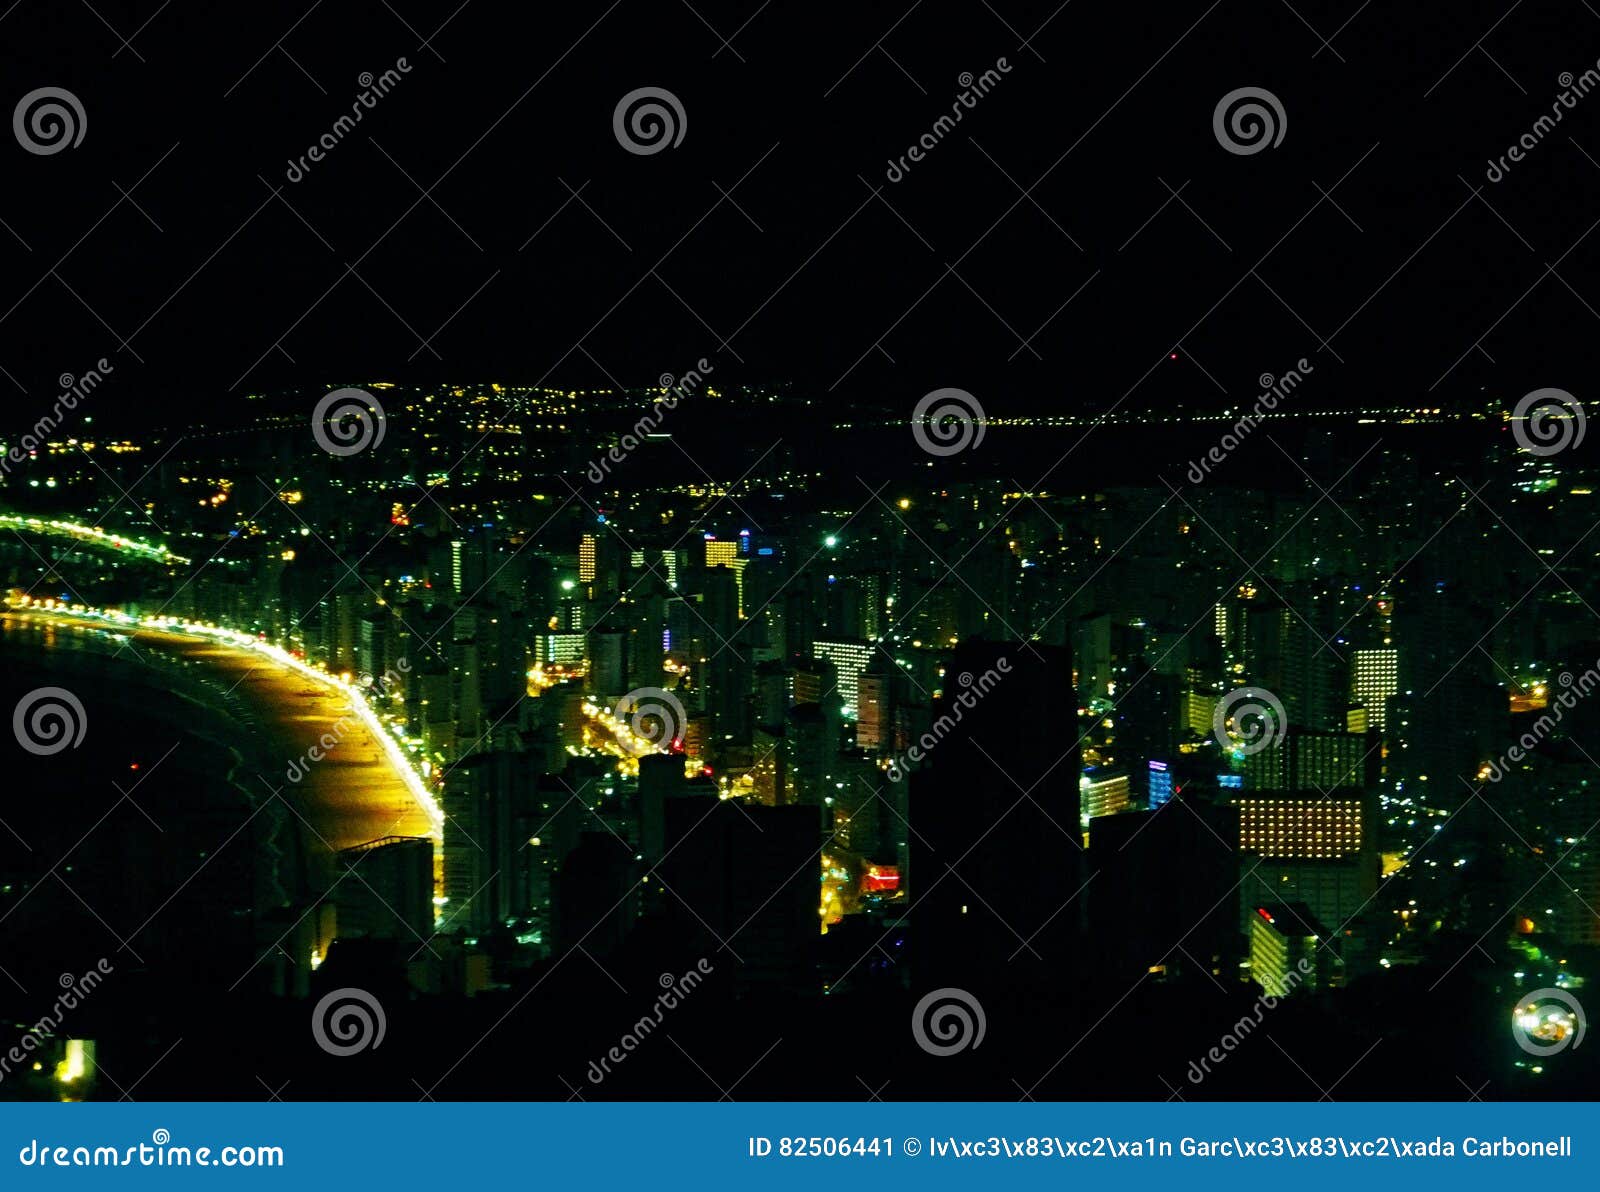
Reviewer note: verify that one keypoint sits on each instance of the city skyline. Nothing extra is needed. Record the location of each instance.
(712, 552)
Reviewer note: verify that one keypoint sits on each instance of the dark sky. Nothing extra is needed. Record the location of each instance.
(803, 274)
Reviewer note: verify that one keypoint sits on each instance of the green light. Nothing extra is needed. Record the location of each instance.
(830, 541)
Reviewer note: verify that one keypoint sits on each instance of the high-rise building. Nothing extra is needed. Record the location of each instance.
(1374, 679)
(1289, 949)
(1102, 793)
(1159, 783)
(748, 883)
(850, 659)
(996, 866)
(387, 889)
(1319, 849)
(1300, 759)
(588, 558)
(874, 711)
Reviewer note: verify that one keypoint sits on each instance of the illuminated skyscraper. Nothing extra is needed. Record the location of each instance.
(588, 551)
(1312, 848)
(850, 659)
(1102, 793)
(1304, 760)
(1374, 677)
(1287, 953)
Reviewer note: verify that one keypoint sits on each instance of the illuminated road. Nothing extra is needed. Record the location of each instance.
(78, 532)
(353, 795)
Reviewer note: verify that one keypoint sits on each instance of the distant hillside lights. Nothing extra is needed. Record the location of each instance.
(373, 89)
(75, 390)
(1275, 391)
(672, 388)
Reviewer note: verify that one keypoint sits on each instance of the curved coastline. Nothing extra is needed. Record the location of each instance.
(257, 711)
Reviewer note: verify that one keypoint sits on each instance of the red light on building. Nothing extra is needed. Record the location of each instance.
(881, 879)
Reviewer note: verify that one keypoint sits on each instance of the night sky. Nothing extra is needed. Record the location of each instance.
(769, 241)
